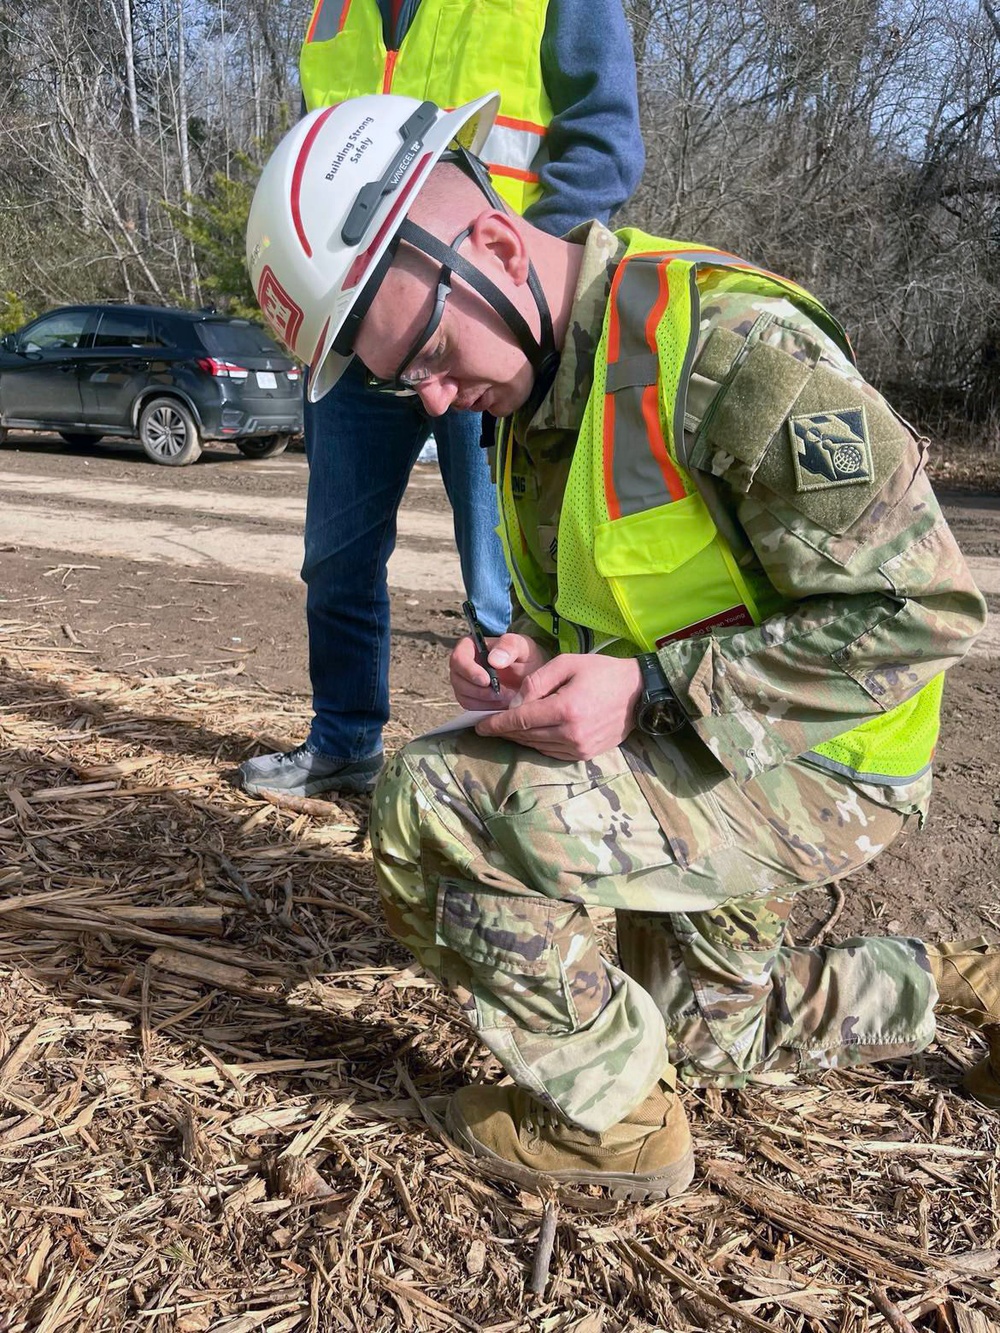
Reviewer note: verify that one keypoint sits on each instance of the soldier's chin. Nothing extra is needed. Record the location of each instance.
(507, 400)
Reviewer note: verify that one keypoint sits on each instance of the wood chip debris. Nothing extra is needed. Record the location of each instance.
(221, 1085)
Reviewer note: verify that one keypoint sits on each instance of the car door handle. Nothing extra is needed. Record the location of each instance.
(68, 367)
(135, 365)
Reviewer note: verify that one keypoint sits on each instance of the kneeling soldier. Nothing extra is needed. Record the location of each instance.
(738, 598)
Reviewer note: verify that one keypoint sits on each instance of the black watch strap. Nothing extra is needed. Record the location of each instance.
(654, 678)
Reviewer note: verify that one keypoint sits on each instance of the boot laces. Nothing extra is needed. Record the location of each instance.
(539, 1118)
(540, 1122)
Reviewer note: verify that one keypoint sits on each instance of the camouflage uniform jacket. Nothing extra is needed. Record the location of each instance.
(880, 604)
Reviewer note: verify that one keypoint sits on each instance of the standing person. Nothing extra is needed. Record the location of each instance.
(565, 148)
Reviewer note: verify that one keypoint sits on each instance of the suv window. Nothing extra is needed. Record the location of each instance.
(121, 328)
(234, 340)
(62, 330)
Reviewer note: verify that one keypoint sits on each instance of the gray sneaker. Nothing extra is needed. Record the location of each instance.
(304, 772)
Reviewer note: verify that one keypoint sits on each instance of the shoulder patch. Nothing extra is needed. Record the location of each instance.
(835, 452)
(831, 449)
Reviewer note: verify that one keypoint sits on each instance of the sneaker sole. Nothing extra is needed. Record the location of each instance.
(629, 1187)
(360, 784)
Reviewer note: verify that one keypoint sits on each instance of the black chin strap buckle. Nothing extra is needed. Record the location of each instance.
(544, 379)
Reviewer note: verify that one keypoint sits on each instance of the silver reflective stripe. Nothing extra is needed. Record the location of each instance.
(327, 18)
(630, 371)
(635, 469)
(508, 147)
(859, 775)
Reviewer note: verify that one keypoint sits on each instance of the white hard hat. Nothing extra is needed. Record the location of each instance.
(329, 203)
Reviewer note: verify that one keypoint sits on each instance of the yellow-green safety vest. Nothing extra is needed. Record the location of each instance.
(639, 558)
(453, 51)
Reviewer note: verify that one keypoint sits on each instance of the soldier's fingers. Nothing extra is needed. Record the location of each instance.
(463, 664)
(542, 714)
(510, 648)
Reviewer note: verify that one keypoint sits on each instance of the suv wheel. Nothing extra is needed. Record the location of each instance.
(264, 446)
(168, 434)
(78, 438)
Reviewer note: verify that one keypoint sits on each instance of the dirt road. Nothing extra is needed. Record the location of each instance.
(151, 569)
(166, 569)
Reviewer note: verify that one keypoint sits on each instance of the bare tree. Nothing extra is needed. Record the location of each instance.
(853, 144)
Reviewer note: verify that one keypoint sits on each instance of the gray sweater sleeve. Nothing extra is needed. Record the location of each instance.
(595, 152)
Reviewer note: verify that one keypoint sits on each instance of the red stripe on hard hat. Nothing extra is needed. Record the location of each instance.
(360, 266)
(300, 166)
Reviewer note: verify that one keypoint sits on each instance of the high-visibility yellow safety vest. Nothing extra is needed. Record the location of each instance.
(452, 52)
(639, 558)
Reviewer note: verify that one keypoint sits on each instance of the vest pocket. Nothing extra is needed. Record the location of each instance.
(667, 570)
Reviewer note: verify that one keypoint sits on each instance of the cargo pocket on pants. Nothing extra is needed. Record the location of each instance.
(534, 962)
(729, 954)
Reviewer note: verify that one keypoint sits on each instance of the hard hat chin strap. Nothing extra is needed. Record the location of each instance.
(540, 351)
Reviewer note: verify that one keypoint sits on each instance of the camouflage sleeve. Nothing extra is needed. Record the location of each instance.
(810, 471)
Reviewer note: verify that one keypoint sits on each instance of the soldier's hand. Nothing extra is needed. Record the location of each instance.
(573, 707)
(512, 656)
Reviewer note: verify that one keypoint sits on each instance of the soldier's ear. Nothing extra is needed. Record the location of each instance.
(496, 236)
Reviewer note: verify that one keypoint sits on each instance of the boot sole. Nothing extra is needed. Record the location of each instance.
(626, 1187)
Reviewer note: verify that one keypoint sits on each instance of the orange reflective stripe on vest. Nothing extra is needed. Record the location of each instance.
(450, 53)
(638, 469)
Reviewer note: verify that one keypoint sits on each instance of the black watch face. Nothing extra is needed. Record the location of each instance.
(658, 718)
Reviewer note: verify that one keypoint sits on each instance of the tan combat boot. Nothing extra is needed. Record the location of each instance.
(648, 1155)
(967, 973)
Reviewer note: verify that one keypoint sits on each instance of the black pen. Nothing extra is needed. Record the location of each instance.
(482, 648)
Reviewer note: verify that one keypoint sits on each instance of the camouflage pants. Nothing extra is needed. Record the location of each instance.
(488, 855)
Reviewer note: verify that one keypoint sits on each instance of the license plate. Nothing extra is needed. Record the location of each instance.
(266, 380)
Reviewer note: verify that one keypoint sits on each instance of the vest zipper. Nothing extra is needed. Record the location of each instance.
(390, 68)
(680, 407)
(583, 636)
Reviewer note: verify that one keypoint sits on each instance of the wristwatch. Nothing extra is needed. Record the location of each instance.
(657, 713)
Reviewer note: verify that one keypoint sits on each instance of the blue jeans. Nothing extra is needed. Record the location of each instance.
(361, 447)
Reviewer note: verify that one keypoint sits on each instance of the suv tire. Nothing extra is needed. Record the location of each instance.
(168, 433)
(263, 446)
(78, 438)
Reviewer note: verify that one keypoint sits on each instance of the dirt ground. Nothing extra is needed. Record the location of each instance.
(221, 1081)
(158, 616)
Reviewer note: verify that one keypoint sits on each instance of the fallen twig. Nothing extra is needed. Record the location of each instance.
(892, 1314)
(543, 1250)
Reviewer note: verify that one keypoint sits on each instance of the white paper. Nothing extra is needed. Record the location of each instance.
(462, 721)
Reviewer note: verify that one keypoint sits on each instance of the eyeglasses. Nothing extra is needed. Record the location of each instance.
(401, 385)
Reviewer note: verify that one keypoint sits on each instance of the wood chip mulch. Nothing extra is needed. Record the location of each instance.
(221, 1082)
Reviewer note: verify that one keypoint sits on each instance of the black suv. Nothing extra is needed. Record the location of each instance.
(174, 378)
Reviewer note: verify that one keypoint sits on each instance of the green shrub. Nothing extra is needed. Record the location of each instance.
(13, 312)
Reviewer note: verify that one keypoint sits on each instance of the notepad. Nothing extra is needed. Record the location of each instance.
(462, 721)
